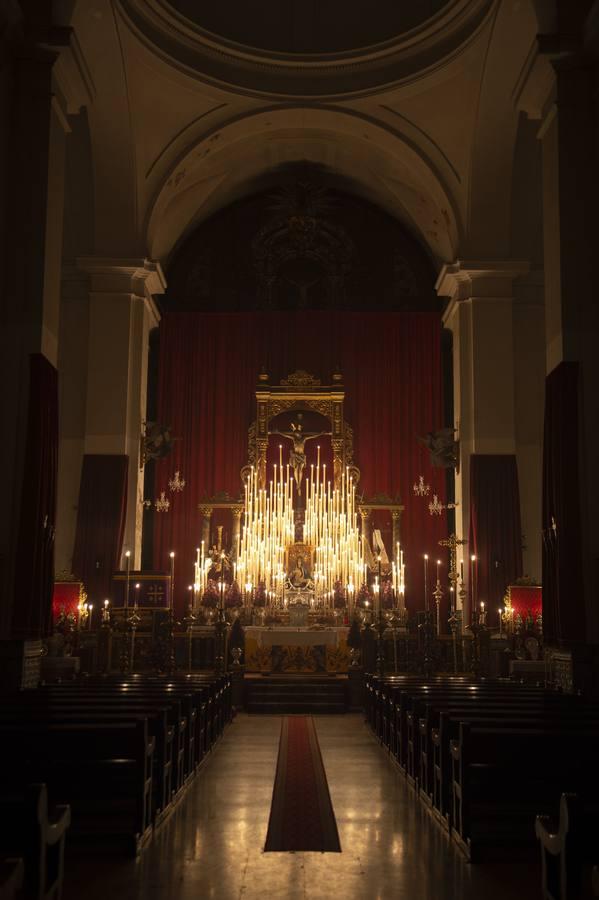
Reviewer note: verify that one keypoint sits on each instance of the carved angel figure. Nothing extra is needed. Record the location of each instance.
(444, 449)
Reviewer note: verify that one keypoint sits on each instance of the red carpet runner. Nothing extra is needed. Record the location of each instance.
(301, 814)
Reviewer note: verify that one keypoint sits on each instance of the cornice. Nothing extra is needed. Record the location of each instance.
(185, 46)
(141, 277)
(464, 279)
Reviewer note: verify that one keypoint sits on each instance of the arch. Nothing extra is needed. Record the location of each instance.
(384, 165)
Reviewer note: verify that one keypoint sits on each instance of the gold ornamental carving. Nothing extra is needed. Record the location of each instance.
(300, 378)
(300, 391)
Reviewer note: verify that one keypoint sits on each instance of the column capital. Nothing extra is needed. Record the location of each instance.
(139, 276)
(465, 279)
(206, 511)
(535, 86)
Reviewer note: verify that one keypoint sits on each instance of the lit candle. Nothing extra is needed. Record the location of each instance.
(500, 611)
(89, 619)
(426, 581)
(137, 587)
(438, 566)
(128, 565)
(472, 590)
(172, 580)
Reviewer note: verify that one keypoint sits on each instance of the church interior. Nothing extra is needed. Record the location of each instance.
(299, 557)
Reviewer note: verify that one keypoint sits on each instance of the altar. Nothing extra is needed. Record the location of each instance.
(291, 649)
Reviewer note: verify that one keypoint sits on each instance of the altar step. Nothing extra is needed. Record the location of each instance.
(277, 696)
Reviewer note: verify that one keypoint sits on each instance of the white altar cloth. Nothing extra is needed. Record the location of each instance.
(286, 636)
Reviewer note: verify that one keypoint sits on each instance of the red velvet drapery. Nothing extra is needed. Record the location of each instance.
(209, 363)
(564, 617)
(100, 522)
(32, 613)
(495, 529)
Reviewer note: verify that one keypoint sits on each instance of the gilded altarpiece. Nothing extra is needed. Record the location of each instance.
(301, 392)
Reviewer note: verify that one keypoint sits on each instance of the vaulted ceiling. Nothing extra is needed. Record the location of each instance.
(188, 113)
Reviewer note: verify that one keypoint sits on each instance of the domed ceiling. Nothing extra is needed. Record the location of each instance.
(308, 26)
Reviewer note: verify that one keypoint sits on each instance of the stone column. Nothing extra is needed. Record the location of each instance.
(31, 229)
(568, 135)
(396, 520)
(559, 90)
(366, 532)
(237, 513)
(492, 398)
(122, 312)
(206, 513)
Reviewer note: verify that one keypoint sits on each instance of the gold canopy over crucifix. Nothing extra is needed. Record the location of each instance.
(301, 392)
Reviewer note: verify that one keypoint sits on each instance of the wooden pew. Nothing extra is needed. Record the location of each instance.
(11, 877)
(105, 771)
(84, 711)
(28, 830)
(181, 716)
(568, 845)
(496, 796)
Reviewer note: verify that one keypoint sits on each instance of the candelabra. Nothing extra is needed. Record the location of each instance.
(124, 660)
(380, 647)
(133, 620)
(105, 640)
(220, 631)
(426, 629)
(478, 629)
(455, 625)
(189, 621)
(438, 595)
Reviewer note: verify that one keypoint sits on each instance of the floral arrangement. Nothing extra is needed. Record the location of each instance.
(260, 595)
(364, 597)
(233, 596)
(210, 596)
(338, 596)
(387, 594)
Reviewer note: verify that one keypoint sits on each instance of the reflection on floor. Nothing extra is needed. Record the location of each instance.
(212, 846)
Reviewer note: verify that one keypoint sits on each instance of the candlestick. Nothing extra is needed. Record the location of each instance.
(472, 590)
(172, 580)
(128, 566)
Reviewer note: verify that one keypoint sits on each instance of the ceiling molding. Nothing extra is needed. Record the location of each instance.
(187, 47)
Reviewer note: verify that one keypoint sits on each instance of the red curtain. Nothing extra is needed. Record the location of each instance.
(495, 529)
(100, 522)
(209, 364)
(32, 613)
(564, 618)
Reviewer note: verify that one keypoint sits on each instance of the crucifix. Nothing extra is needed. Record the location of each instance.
(453, 543)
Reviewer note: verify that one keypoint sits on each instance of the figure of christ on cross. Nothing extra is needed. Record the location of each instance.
(297, 457)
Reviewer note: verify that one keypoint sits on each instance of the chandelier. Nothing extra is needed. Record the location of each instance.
(177, 483)
(435, 507)
(420, 488)
(163, 503)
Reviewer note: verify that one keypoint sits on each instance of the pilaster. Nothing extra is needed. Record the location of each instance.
(480, 315)
(122, 312)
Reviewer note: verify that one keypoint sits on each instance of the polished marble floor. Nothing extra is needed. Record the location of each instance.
(212, 846)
